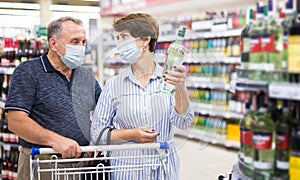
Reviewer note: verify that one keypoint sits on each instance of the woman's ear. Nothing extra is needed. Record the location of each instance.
(146, 40)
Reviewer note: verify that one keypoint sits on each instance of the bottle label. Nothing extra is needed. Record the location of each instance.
(262, 140)
(246, 136)
(6, 137)
(285, 40)
(255, 44)
(4, 174)
(245, 45)
(282, 140)
(283, 165)
(263, 165)
(294, 170)
(294, 54)
(268, 43)
(248, 159)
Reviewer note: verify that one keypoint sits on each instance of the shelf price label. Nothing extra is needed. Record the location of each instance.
(285, 91)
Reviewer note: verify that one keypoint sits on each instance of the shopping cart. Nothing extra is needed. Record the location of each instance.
(82, 169)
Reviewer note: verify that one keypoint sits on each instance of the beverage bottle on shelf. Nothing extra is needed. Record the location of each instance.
(294, 159)
(245, 40)
(175, 57)
(274, 45)
(294, 44)
(282, 145)
(256, 32)
(246, 135)
(262, 142)
(5, 165)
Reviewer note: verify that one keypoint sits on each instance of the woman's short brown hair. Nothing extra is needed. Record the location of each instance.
(139, 25)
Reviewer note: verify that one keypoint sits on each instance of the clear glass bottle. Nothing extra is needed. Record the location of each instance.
(175, 57)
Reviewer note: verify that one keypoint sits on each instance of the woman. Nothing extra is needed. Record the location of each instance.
(133, 103)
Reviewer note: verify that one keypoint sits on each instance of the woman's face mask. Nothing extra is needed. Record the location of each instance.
(129, 51)
(74, 57)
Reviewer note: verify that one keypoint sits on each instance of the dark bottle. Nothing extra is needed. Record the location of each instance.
(245, 40)
(282, 145)
(5, 166)
(294, 159)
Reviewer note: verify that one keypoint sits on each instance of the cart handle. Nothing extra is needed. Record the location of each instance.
(139, 146)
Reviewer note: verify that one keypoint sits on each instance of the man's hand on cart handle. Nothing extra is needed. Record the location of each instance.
(68, 148)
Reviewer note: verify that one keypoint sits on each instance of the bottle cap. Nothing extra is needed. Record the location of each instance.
(289, 4)
(270, 5)
(181, 31)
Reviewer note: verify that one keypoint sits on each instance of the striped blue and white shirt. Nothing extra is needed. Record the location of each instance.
(129, 105)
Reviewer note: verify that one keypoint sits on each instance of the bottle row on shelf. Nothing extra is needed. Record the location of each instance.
(269, 138)
(270, 44)
(9, 163)
(15, 51)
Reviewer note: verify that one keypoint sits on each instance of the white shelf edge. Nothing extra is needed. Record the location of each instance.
(284, 91)
(210, 109)
(198, 135)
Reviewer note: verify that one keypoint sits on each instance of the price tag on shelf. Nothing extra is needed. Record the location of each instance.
(232, 84)
(285, 91)
(6, 147)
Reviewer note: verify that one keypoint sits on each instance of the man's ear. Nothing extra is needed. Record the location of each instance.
(52, 43)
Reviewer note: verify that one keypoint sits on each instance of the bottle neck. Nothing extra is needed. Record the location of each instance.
(179, 39)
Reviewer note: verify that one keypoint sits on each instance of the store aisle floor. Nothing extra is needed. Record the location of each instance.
(200, 161)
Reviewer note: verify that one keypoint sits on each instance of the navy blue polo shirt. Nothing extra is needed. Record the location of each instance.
(54, 103)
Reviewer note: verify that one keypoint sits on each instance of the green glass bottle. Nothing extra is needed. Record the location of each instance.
(176, 53)
(262, 142)
(245, 40)
(275, 31)
(282, 145)
(255, 33)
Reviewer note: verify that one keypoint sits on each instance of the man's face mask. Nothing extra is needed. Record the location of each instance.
(74, 57)
(129, 51)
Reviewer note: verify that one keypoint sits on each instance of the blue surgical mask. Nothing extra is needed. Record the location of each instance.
(129, 51)
(74, 57)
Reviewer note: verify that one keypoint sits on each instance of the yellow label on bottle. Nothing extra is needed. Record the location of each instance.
(294, 54)
(294, 170)
(233, 132)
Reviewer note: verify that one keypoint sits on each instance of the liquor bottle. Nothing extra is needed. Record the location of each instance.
(275, 41)
(256, 32)
(246, 134)
(5, 166)
(282, 145)
(175, 57)
(262, 142)
(294, 44)
(294, 159)
(245, 40)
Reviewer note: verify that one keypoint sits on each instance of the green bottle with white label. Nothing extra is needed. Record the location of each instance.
(175, 57)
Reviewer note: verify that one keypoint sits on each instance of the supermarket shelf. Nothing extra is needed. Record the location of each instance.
(215, 110)
(193, 84)
(227, 60)
(207, 137)
(9, 146)
(202, 35)
(250, 85)
(7, 70)
(284, 91)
